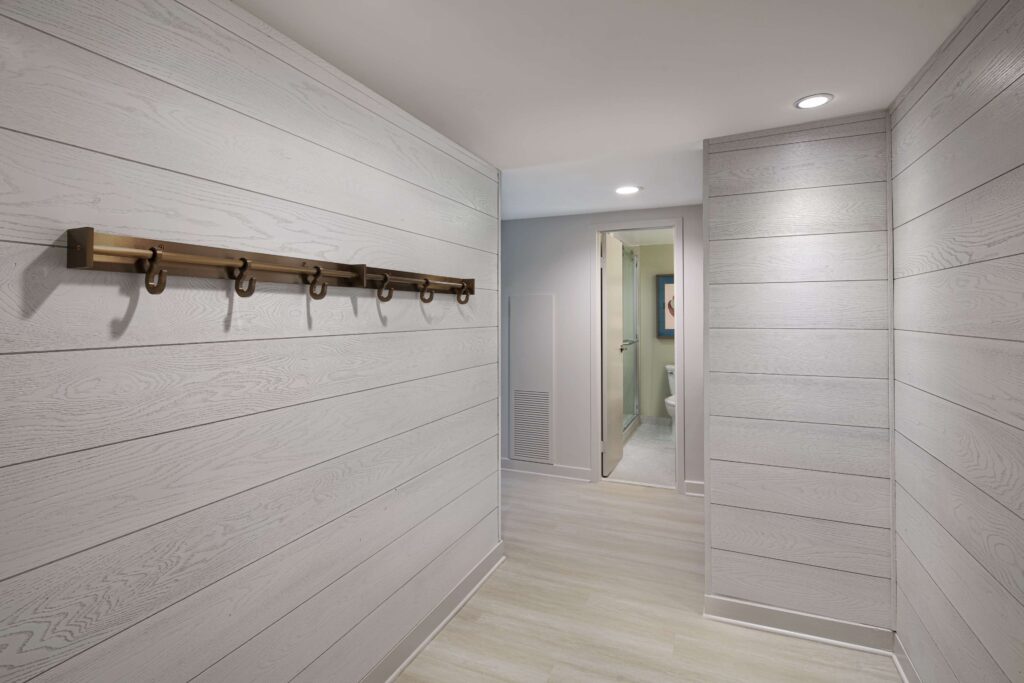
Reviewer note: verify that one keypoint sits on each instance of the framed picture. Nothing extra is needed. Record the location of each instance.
(665, 286)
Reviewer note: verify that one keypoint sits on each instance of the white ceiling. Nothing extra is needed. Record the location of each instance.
(647, 237)
(571, 98)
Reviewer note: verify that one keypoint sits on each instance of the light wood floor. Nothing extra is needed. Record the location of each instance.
(604, 582)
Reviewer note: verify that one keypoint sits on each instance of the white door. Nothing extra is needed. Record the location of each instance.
(611, 353)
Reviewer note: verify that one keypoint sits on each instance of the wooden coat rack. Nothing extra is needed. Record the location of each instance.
(158, 260)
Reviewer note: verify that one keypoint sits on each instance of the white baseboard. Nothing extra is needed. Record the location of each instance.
(809, 626)
(562, 471)
(904, 666)
(693, 488)
(395, 662)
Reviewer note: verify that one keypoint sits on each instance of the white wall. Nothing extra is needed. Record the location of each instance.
(655, 352)
(199, 486)
(559, 255)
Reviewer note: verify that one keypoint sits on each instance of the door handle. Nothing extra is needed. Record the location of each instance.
(625, 343)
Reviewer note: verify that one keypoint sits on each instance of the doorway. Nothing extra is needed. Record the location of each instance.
(637, 320)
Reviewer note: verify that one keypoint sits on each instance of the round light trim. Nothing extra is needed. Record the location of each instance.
(628, 189)
(813, 101)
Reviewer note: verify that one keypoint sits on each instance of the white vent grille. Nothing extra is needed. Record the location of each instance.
(531, 425)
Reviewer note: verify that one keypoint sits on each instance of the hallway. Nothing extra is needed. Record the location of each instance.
(605, 583)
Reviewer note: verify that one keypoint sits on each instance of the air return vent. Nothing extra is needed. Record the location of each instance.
(531, 351)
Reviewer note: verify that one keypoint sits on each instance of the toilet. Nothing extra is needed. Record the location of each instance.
(670, 400)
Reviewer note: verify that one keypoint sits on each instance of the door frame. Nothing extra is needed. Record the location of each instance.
(676, 225)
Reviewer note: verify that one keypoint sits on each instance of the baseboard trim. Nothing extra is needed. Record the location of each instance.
(787, 622)
(394, 663)
(693, 488)
(904, 666)
(560, 471)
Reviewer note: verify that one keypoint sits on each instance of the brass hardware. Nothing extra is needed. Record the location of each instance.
(424, 290)
(92, 250)
(155, 286)
(241, 275)
(313, 293)
(385, 284)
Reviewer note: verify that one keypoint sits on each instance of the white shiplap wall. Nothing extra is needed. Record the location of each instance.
(196, 485)
(958, 207)
(798, 297)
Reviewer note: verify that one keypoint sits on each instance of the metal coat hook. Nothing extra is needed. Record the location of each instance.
(157, 284)
(248, 291)
(462, 295)
(313, 293)
(425, 290)
(385, 284)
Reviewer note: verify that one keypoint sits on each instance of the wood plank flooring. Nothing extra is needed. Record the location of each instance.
(605, 582)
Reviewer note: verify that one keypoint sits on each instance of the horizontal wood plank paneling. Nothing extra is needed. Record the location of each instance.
(46, 307)
(826, 592)
(803, 258)
(830, 400)
(984, 375)
(62, 608)
(993, 535)
(985, 452)
(838, 161)
(818, 305)
(839, 353)
(871, 123)
(130, 115)
(821, 495)
(354, 655)
(803, 445)
(122, 197)
(987, 145)
(989, 610)
(58, 506)
(977, 300)
(60, 403)
(993, 60)
(930, 664)
(820, 210)
(984, 224)
(172, 43)
(966, 655)
(818, 542)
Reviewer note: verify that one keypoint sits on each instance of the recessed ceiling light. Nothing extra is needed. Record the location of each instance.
(627, 189)
(812, 101)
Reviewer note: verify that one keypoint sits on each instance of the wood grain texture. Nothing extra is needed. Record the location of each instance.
(976, 300)
(986, 146)
(830, 400)
(827, 592)
(872, 123)
(993, 535)
(985, 452)
(924, 653)
(840, 161)
(46, 307)
(176, 45)
(990, 611)
(62, 608)
(820, 495)
(993, 60)
(802, 258)
(226, 614)
(121, 197)
(58, 506)
(819, 210)
(68, 402)
(803, 445)
(984, 375)
(984, 224)
(817, 305)
(838, 353)
(966, 655)
(127, 114)
(817, 542)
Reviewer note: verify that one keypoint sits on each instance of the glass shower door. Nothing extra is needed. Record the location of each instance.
(630, 347)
